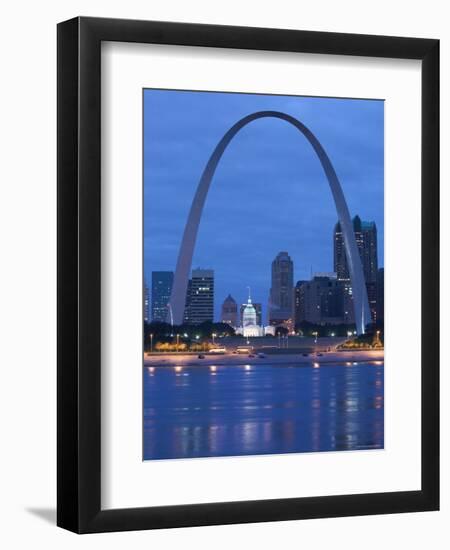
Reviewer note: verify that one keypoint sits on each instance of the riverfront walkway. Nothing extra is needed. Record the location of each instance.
(189, 360)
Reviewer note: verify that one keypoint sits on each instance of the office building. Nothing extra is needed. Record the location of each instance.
(162, 282)
(187, 305)
(281, 291)
(324, 300)
(366, 242)
(380, 295)
(200, 297)
(146, 303)
(229, 313)
(298, 305)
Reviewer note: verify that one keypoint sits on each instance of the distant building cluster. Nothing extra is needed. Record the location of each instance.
(199, 297)
(327, 298)
(324, 299)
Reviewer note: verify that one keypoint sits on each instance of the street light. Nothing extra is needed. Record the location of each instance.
(151, 343)
(178, 342)
(213, 336)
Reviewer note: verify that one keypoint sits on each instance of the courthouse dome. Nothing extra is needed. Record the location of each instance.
(249, 315)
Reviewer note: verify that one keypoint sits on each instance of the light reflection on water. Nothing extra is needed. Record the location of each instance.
(232, 410)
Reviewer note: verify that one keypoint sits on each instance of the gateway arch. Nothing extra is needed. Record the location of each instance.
(178, 296)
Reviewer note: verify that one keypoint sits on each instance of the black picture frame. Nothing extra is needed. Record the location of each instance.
(79, 280)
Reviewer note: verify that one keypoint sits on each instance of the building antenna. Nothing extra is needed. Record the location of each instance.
(311, 273)
(249, 297)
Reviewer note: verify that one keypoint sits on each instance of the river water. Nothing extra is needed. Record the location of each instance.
(204, 411)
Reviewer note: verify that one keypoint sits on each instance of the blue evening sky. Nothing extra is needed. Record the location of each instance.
(269, 192)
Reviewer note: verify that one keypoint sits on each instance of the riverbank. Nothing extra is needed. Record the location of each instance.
(180, 359)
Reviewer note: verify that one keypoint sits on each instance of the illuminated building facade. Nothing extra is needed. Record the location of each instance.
(366, 241)
(162, 282)
(199, 304)
(187, 306)
(258, 309)
(250, 326)
(146, 304)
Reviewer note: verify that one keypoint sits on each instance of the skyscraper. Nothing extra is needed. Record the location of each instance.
(380, 295)
(340, 259)
(229, 311)
(366, 241)
(200, 299)
(370, 264)
(372, 297)
(298, 302)
(161, 289)
(370, 256)
(348, 314)
(187, 305)
(258, 309)
(281, 292)
(146, 303)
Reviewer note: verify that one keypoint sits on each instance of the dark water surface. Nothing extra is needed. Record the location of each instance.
(265, 409)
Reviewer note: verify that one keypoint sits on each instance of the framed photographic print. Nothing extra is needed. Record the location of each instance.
(248, 236)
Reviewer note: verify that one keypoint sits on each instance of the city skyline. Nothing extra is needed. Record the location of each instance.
(237, 230)
(287, 295)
